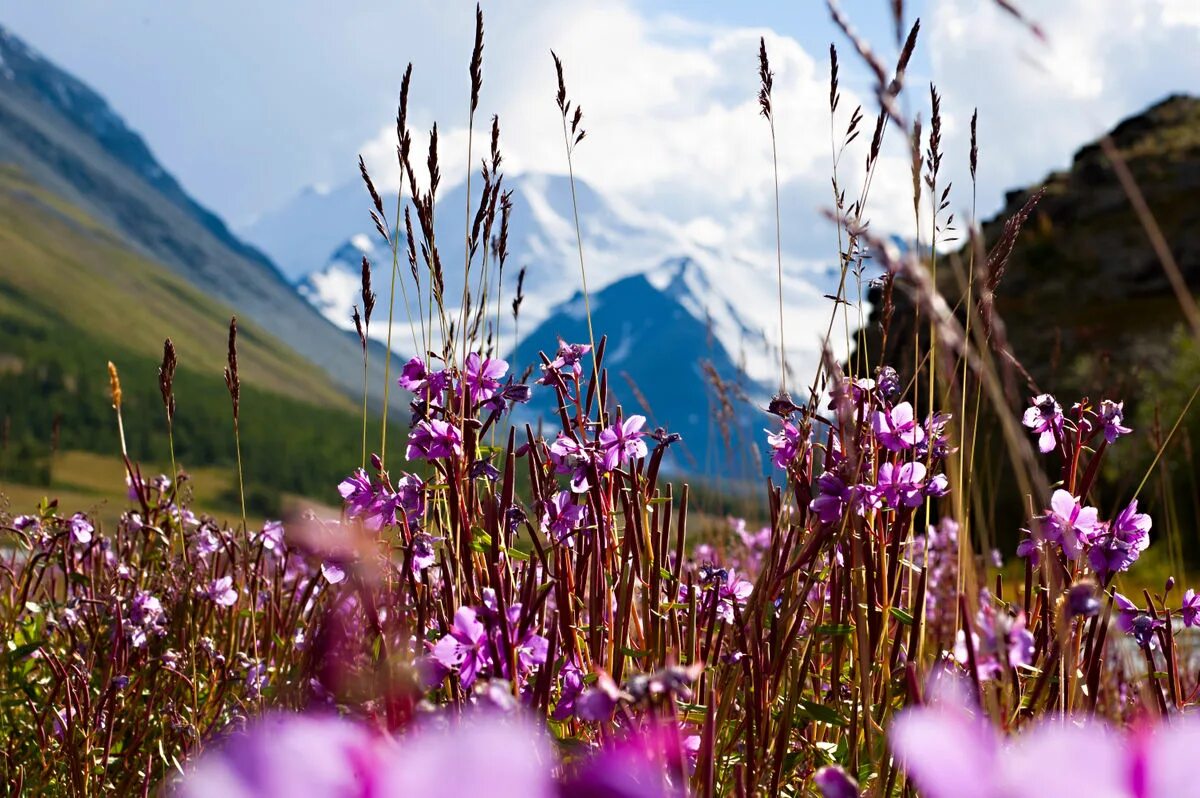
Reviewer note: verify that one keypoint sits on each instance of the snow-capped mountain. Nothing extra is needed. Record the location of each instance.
(667, 303)
(320, 237)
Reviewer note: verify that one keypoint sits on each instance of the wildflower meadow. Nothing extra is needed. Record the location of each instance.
(516, 602)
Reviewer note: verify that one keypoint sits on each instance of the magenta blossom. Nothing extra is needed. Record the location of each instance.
(432, 440)
(571, 457)
(622, 442)
(901, 486)
(356, 491)
(832, 497)
(1116, 548)
(1112, 416)
(426, 384)
(482, 377)
(785, 444)
(566, 361)
(1070, 524)
(897, 429)
(563, 517)
(1190, 609)
(465, 647)
(222, 592)
(81, 529)
(1061, 758)
(1045, 418)
(1001, 642)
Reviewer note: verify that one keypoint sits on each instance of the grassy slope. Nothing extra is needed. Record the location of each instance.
(59, 268)
(72, 297)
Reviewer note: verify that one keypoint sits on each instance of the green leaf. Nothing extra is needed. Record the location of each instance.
(517, 555)
(902, 616)
(833, 629)
(810, 710)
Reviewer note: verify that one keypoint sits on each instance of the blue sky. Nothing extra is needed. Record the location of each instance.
(248, 103)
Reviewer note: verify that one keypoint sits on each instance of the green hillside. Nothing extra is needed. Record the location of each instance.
(73, 297)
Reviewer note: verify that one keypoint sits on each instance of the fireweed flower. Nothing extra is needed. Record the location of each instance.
(888, 382)
(1116, 548)
(465, 647)
(571, 679)
(1045, 418)
(832, 497)
(145, 618)
(897, 429)
(1112, 416)
(356, 491)
(423, 554)
(531, 648)
(901, 486)
(426, 384)
(567, 361)
(481, 377)
(272, 535)
(1069, 524)
(1190, 609)
(81, 529)
(785, 444)
(222, 592)
(282, 755)
(407, 503)
(571, 457)
(1002, 641)
(622, 442)
(833, 782)
(432, 440)
(562, 517)
(1058, 758)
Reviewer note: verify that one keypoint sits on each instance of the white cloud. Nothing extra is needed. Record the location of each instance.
(1038, 103)
(671, 113)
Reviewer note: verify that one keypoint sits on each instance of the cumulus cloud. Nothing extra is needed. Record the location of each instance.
(1038, 103)
(672, 118)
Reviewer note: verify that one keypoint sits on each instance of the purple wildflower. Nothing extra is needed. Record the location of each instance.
(428, 385)
(431, 440)
(1045, 418)
(622, 442)
(482, 376)
(1116, 548)
(465, 647)
(832, 497)
(272, 535)
(897, 429)
(834, 782)
(567, 359)
(571, 457)
(1070, 524)
(356, 491)
(222, 592)
(333, 573)
(562, 516)
(81, 529)
(423, 554)
(1112, 416)
(572, 687)
(1002, 641)
(1191, 608)
(901, 486)
(785, 443)
(1051, 759)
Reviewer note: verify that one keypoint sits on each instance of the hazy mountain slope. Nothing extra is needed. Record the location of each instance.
(59, 268)
(65, 137)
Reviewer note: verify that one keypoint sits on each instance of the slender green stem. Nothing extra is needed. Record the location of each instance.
(587, 302)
